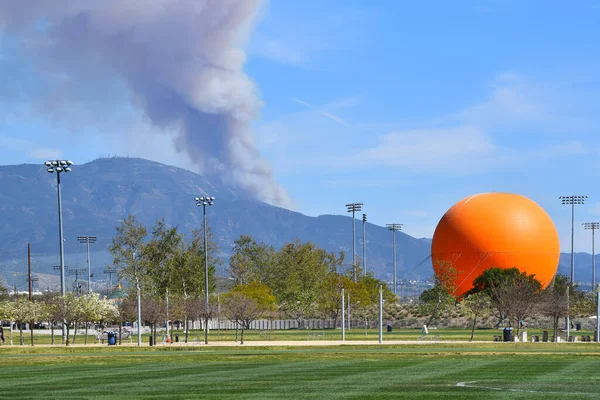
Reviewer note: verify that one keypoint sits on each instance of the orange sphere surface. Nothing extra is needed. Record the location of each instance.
(499, 230)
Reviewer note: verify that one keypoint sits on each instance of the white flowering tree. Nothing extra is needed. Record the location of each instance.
(7, 313)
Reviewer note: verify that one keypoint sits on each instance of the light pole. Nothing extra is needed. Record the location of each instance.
(110, 271)
(87, 240)
(380, 314)
(343, 318)
(571, 200)
(394, 228)
(354, 207)
(364, 220)
(593, 226)
(76, 272)
(60, 166)
(205, 201)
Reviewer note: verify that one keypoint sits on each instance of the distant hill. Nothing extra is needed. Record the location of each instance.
(99, 194)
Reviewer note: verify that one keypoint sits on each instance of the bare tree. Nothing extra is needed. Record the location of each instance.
(555, 301)
(246, 303)
(517, 297)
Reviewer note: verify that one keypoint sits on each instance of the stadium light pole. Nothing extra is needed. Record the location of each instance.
(593, 226)
(87, 240)
(354, 207)
(572, 201)
(110, 271)
(205, 201)
(77, 272)
(394, 228)
(364, 220)
(60, 166)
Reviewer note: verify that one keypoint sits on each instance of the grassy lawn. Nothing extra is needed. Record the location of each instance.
(432, 371)
(326, 334)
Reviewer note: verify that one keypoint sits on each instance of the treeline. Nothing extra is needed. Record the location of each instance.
(75, 310)
(511, 296)
(298, 281)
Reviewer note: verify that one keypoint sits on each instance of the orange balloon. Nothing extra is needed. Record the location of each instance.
(501, 230)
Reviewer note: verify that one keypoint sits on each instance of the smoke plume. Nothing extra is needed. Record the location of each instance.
(182, 61)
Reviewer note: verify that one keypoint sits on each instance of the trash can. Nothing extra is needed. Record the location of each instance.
(508, 334)
(176, 338)
(578, 326)
(545, 336)
(112, 338)
(150, 341)
(389, 328)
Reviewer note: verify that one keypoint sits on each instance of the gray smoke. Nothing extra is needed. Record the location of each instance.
(182, 60)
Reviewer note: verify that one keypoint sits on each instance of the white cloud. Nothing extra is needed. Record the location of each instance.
(460, 147)
(29, 148)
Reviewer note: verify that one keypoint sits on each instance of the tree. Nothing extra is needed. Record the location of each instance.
(297, 276)
(50, 311)
(7, 313)
(91, 309)
(250, 260)
(329, 300)
(68, 311)
(443, 293)
(512, 293)
(555, 301)
(25, 311)
(434, 301)
(475, 304)
(126, 248)
(246, 303)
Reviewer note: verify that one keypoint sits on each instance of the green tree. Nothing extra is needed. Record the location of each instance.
(475, 305)
(250, 261)
(442, 296)
(127, 249)
(300, 270)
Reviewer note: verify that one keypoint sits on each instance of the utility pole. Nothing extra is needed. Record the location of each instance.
(394, 228)
(593, 226)
(364, 220)
(87, 240)
(354, 207)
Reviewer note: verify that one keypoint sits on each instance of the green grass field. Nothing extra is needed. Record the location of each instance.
(217, 336)
(430, 371)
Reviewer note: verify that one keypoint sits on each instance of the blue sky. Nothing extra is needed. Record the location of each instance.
(407, 108)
